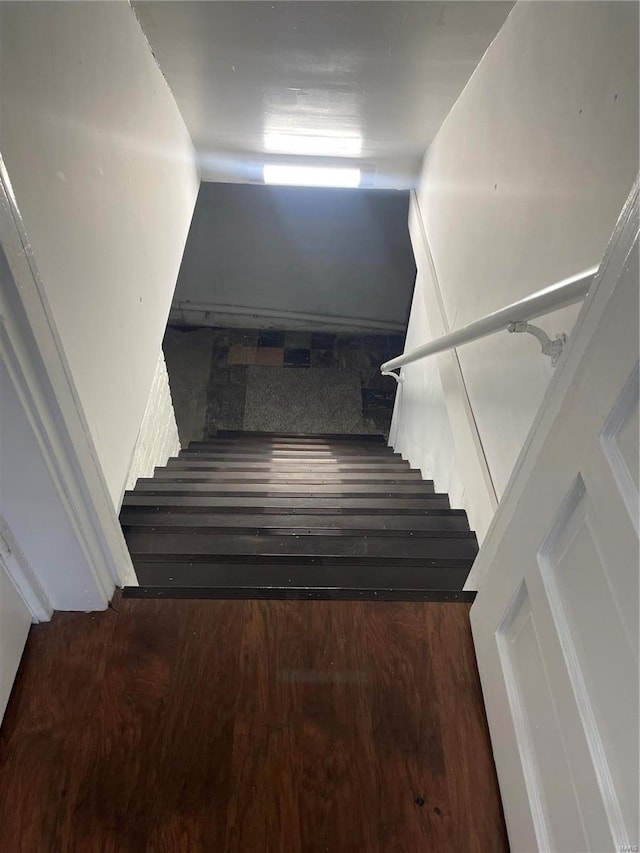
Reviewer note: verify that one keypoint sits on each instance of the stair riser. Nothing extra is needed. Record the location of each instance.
(290, 441)
(147, 542)
(289, 459)
(295, 452)
(383, 523)
(306, 482)
(189, 487)
(287, 476)
(374, 438)
(284, 447)
(384, 505)
(295, 472)
(287, 576)
(319, 469)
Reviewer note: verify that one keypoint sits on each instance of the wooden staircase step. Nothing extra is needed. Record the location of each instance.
(294, 572)
(439, 544)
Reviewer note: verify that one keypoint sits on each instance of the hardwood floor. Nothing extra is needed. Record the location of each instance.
(250, 727)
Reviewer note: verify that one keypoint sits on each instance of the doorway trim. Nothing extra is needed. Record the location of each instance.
(33, 355)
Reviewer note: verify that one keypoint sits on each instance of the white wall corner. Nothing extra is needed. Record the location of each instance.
(158, 436)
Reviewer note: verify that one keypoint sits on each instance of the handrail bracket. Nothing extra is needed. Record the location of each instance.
(397, 376)
(551, 348)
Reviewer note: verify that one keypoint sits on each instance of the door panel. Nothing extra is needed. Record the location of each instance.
(556, 621)
(15, 621)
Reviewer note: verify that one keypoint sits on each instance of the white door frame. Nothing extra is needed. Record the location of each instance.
(34, 358)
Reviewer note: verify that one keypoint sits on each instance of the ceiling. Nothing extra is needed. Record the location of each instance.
(359, 83)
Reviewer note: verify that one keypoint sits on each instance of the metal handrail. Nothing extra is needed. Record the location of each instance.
(512, 318)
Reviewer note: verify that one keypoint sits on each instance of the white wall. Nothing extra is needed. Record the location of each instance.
(104, 175)
(158, 437)
(521, 188)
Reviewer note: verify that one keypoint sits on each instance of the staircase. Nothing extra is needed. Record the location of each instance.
(260, 515)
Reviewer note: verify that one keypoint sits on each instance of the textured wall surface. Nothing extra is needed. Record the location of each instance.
(158, 437)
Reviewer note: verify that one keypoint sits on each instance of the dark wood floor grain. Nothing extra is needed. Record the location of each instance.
(249, 727)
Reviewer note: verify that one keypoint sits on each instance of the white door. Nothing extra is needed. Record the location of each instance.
(555, 622)
(15, 621)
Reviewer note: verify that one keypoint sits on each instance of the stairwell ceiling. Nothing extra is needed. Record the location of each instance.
(354, 83)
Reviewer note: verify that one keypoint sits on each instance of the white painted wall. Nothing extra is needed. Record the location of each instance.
(158, 437)
(521, 188)
(105, 178)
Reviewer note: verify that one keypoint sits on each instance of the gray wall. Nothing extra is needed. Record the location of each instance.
(297, 257)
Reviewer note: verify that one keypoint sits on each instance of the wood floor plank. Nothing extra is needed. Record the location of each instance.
(242, 726)
(49, 734)
(463, 734)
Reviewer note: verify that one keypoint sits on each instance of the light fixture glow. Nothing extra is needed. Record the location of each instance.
(313, 145)
(311, 176)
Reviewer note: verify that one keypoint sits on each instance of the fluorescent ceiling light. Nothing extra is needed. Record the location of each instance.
(313, 145)
(311, 176)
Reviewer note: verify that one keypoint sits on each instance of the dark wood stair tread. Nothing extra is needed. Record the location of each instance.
(299, 593)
